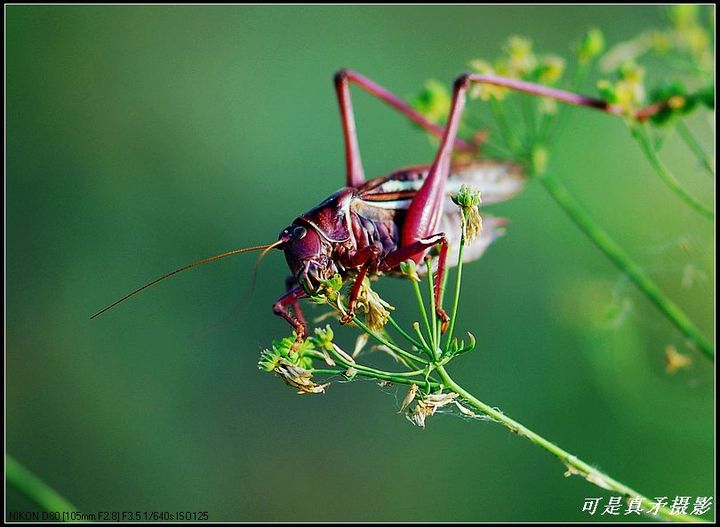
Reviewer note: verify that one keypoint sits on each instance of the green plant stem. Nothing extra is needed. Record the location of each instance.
(640, 133)
(425, 346)
(433, 309)
(458, 281)
(398, 380)
(693, 144)
(555, 124)
(404, 333)
(372, 373)
(326, 371)
(620, 258)
(387, 343)
(509, 137)
(423, 311)
(573, 463)
(34, 488)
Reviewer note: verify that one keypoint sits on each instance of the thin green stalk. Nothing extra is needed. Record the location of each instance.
(639, 132)
(458, 281)
(399, 380)
(510, 138)
(425, 345)
(694, 145)
(359, 367)
(556, 123)
(620, 258)
(433, 309)
(529, 117)
(387, 343)
(327, 371)
(367, 371)
(574, 464)
(404, 333)
(423, 311)
(34, 488)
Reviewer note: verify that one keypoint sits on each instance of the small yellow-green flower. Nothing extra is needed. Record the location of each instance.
(592, 45)
(551, 69)
(683, 15)
(660, 41)
(522, 60)
(433, 101)
(697, 41)
(674, 360)
(328, 291)
(324, 337)
(628, 92)
(486, 91)
(409, 269)
(468, 201)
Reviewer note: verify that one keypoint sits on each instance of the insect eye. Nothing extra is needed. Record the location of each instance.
(299, 232)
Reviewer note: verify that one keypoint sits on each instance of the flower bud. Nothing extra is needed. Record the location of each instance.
(408, 269)
(433, 101)
(592, 45)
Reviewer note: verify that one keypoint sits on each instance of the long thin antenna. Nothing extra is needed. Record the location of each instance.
(259, 261)
(185, 268)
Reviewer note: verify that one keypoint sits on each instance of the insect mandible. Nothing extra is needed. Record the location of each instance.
(368, 228)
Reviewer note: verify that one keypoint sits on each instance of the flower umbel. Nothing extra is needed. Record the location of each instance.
(291, 361)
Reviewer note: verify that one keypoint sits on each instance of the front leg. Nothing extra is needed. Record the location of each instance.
(280, 308)
(366, 258)
(290, 283)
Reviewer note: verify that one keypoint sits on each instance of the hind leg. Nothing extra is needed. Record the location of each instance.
(343, 78)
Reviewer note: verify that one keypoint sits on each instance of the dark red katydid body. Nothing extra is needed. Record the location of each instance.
(358, 231)
(371, 227)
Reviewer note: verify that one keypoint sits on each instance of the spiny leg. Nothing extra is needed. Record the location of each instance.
(366, 258)
(343, 78)
(563, 96)
(290, 299)
(290, 283)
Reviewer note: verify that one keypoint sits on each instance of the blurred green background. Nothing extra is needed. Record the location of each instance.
(143, 138)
